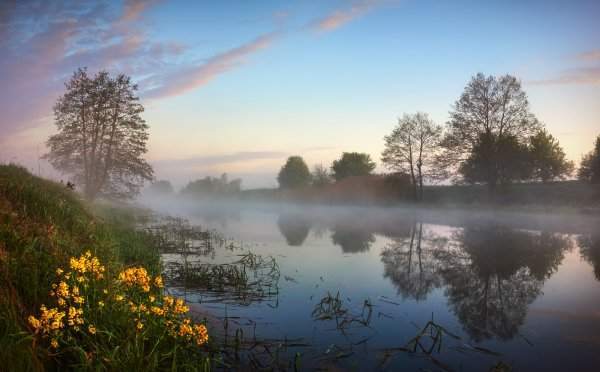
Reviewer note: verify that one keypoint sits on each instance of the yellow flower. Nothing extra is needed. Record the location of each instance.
(59, 271)
(63, 290)
(158, 281)
(101, 303)
(139, 326)
(151, 298)
(119, 298)
(61, 302)
(135, 276)
(201, 334)
(157, 311)
(105, 291)
(34, 322)
(92, 329)
(54, 343)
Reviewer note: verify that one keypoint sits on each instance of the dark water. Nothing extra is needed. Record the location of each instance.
(520, 289)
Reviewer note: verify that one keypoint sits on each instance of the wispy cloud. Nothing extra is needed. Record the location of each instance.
(583, 75)
(187, 79)
(45, 41)
(578, 75)
(340, 17)
(220, 160)
(592, 55)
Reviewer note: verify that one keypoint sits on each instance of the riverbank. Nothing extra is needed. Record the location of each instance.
(571, 197)
(67, 302)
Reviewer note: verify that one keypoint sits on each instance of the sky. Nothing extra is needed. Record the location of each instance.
(238, 86)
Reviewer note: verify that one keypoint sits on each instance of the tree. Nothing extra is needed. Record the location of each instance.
(212, 186)
(161, 187)
(412, 147)
(496, 160)
(589, 170)
(320, 176)
(294, 173)
(548, 160)
(101, 136)
(352, 164)
(493, 107)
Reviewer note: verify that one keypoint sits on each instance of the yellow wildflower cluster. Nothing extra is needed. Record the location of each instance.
(196, 332)
(50, 320)
(86, 264)
(86, 300)
(138, 276)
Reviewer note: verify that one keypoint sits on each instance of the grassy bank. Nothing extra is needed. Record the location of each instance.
(50, 239)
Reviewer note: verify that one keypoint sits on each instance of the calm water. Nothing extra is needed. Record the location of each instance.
(525, 287)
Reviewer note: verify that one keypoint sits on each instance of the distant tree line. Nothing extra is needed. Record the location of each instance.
(207, 186)
(492, 138)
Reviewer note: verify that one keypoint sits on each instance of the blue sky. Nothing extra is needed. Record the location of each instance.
(237, 86)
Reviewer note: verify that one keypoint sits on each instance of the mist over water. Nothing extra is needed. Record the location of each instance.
(523, 286)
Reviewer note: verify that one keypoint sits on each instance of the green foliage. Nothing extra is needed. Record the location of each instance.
(496, 161)
(352, 164)
(548, 161)
(212, 186)
(294, 173)
(589, 169)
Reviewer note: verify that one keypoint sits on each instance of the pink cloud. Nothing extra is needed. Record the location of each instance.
(340, 17)
(583, 75)
(589, 74)
(194, 77)
(132, 9)
(592, 55)
(68, 35)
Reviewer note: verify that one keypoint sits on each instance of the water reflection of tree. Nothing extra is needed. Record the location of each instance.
(294, 227)
(410, 264)
(589, 247)
(352, 238)
(493, 273)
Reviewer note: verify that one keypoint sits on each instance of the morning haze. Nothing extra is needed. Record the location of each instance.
(334, 185)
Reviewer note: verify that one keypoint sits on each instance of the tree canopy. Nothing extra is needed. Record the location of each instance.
(589, 169)
(211, 186)
(294, 173)
(161, 187)
(490, 111)
(548, 160)
(101, 136)
(352, 164)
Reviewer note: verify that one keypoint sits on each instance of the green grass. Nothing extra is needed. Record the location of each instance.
(42, 225)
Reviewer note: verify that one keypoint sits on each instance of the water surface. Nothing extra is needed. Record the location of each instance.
(521, 289)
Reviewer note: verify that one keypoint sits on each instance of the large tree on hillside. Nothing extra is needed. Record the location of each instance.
(589, 169)
(294, 173)
(352, 164)
(411, 148)
(490, 110)
(101, 136)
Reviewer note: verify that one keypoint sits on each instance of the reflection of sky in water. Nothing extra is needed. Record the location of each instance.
(525, 294)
